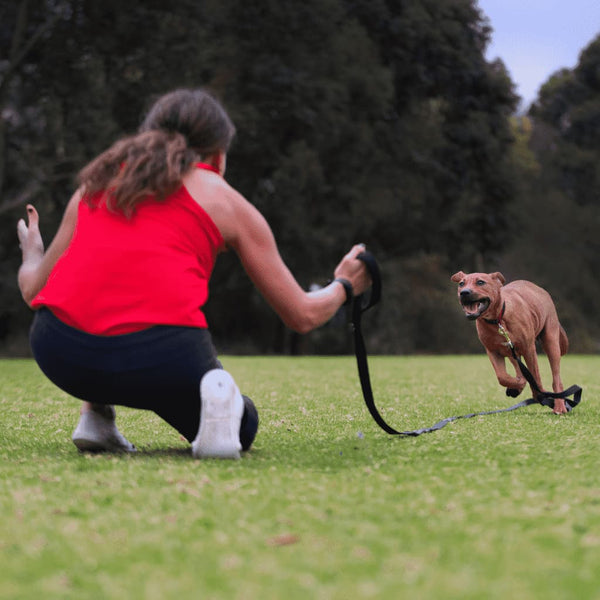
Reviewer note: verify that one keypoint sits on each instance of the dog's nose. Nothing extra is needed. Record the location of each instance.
(465, 293)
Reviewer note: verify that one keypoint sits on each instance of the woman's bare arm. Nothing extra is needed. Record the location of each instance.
(248, 233)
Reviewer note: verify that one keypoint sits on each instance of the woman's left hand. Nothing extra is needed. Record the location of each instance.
(354, 270)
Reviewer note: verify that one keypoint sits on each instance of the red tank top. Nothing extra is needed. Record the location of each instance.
(121, 275)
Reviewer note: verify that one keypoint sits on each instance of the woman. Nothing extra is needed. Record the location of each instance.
(119, 292)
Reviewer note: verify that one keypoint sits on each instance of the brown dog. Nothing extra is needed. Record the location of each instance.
(527, 312)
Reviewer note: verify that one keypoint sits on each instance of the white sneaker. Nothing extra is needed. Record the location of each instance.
(97, 433)
(221, 411)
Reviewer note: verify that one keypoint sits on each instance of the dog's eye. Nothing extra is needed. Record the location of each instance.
(480, 282)
(461, 284)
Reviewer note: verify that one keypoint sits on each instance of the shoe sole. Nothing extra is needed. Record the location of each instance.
(97, 434)
(84, 445)
(221, 409)
(87, 445)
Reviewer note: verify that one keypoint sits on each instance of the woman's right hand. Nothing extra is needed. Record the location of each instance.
(354, 270)
(38, 264)
(30, 238)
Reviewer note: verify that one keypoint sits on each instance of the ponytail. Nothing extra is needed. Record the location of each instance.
(151, 163)
(181, 127)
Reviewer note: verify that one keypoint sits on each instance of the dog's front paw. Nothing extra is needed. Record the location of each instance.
(512, 392)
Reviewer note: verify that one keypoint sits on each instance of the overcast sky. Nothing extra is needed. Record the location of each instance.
(535, 38)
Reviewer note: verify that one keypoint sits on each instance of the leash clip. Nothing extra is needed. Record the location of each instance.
(504, 334)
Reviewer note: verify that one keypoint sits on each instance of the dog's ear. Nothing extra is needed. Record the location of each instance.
(497, 275)
(457, 276)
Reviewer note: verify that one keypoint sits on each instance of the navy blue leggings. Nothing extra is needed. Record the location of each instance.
(157, 369)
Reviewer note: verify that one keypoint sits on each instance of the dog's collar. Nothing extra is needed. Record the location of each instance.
(499, 319)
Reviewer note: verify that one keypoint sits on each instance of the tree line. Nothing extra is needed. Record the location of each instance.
(378, 121)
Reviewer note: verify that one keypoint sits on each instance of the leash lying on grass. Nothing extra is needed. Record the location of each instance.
(361, 304)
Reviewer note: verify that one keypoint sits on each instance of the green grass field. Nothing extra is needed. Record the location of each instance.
(325, 506)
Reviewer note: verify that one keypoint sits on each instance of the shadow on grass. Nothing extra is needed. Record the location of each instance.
(363, 444)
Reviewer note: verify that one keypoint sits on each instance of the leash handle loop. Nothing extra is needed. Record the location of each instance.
(363, 304)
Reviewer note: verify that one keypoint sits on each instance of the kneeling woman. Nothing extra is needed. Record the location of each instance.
(119, 293)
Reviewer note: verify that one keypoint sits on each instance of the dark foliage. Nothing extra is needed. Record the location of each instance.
(358, 120)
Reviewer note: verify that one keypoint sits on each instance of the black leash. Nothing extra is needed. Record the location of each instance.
(363, 303)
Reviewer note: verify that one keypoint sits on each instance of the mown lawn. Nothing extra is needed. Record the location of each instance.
(325, 506)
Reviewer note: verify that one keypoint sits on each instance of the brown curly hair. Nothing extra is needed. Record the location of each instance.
(182, 127)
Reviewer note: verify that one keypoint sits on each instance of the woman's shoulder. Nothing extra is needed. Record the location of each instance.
(211, 191)
(218, 199)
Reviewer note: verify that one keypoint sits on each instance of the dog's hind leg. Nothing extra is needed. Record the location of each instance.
(553, 350)
(553, 343)
(564, 341)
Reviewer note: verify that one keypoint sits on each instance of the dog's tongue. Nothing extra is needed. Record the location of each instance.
(472, 308)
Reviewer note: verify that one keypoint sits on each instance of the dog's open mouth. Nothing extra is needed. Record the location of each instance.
(475, 308)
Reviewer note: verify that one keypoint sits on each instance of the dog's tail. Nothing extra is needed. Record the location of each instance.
(564, 342)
